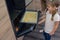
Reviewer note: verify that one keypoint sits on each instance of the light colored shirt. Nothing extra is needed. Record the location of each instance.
(49, 24)
(59, 10)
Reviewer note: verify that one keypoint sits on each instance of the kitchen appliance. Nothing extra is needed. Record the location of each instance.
(17, 12)
(26, 23)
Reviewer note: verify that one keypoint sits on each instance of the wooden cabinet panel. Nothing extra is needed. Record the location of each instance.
(2, 2)
(6, 30)
(3, 12)
(8, 35)
(3, 20)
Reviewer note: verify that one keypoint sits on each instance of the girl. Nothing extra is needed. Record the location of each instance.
(51, 21)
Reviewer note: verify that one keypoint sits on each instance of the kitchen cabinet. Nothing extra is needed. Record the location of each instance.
(6, 31)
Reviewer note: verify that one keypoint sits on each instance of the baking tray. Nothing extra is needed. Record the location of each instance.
(30, 17)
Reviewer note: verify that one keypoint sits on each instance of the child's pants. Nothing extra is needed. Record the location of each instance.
(47, 36)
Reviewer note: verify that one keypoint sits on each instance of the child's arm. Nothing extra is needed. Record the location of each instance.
(43, 20)
(56, 24)
(42, 17)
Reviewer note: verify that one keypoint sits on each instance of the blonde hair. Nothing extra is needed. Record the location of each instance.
(52, 4)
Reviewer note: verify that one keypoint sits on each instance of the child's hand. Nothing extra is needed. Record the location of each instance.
(52, 33)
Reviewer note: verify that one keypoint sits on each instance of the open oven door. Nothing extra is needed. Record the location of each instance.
(26, 23)
(17, 13)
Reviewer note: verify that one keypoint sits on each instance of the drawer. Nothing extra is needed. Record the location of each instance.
(4, 28)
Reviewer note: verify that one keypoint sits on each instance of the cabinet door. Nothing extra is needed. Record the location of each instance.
(6, 31)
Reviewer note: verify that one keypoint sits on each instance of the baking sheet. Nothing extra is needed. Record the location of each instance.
(30, 17)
